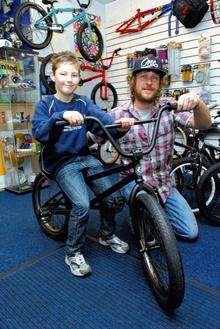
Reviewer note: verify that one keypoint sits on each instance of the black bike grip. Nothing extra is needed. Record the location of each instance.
(172, 105)
(117, 50)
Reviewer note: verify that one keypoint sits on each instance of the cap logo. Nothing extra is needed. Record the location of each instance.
(146, 62)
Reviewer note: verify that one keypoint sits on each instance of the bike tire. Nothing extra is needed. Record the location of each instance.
(182, 173)
(24, 36)
(51, 207)
(86, 47)
(107, 155)
(107, 104)
(46, 80)
(167, 279)
(209, 186)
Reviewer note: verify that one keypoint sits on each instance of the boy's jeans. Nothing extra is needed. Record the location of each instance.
(71, 180)
(178, 212)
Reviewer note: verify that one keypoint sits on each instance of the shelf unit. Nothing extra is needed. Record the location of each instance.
(19, 91)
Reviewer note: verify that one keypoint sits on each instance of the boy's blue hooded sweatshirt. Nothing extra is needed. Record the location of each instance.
(61, 144)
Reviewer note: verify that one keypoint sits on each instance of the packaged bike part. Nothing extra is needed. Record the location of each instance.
(190, 12)
(204, 47)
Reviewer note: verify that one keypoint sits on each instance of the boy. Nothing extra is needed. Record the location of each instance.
(65, 155)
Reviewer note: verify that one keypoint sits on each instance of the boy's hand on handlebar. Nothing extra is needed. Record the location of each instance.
(73, 117)
(126, 123)
(187, 102)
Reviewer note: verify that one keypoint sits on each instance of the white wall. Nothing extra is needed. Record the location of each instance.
(154, 36)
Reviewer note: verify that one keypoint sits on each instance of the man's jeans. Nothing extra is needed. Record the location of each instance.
(71, 180)
(178, 212)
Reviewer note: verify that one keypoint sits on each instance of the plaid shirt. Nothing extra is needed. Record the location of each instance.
(156, 165)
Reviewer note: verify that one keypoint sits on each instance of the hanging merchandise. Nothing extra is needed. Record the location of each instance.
(190, 12)
(204, 47)
(174, 49)
(187, 73)
(162, 54)
(169, 23)
(215, 11)
(201, 77)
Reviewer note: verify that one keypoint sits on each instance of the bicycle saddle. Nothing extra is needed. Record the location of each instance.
(49, 2)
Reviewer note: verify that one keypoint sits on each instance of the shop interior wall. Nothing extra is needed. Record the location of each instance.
(153, 37)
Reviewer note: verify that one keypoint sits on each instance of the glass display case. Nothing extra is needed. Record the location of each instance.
(19, 91)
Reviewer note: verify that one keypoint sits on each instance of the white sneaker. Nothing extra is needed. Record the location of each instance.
(115, 244)
(78, 265)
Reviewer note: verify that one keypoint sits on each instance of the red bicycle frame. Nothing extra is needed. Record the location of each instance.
(100, 69)
(156, 12)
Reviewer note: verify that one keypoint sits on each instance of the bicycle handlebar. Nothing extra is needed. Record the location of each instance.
(168, 106)
(83, 5)
(116, 51)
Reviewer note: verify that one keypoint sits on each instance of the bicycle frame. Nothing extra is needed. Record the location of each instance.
(157, 12)
(53, 12)
(135, 162)
(101, 72)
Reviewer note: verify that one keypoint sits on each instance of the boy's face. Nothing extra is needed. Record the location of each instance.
(66, 78)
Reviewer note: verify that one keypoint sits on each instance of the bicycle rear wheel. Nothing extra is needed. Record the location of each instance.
(157, 245)
(90, 42)
(104, 103)
(51, 207)
(45, 70)
(26, 16)
(209, 189)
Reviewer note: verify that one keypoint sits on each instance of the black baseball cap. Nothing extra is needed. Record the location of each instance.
(148, 63)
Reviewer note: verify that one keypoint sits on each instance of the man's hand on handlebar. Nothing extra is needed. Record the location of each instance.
(187, 102)
(73, 117)
(126, 123)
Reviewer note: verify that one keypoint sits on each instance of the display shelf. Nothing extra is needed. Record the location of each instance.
(19, 91)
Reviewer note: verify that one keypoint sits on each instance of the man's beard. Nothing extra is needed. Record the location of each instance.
(146, 99)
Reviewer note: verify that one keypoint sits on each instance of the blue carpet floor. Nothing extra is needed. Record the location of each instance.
(38, 291)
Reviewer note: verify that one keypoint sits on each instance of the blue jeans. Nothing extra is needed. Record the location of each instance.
(178, 212)
(71, 180)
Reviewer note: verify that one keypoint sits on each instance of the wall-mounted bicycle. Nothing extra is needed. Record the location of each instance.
(35, 27)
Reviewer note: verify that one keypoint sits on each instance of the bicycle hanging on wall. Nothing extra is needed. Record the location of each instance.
(103, 94)
(129, 26)
(35, 27)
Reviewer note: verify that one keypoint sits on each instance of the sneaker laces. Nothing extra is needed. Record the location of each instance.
(79, 258)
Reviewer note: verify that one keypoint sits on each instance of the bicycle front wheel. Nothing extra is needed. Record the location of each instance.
(26, 17)
(105, 102)
(208, 194)
(51, 207)
(107, 154)
(45, 78)
(90, 42)
(157, 245)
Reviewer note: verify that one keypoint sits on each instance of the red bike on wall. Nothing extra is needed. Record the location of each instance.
(103, 94)
(137, 23)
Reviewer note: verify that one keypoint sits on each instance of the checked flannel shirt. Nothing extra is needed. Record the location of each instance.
(156, 165)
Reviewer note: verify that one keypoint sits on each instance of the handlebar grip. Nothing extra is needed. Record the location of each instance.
(172, 105)
(117, 50)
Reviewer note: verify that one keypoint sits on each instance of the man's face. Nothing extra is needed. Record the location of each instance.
(147, 85)
(66, 78)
